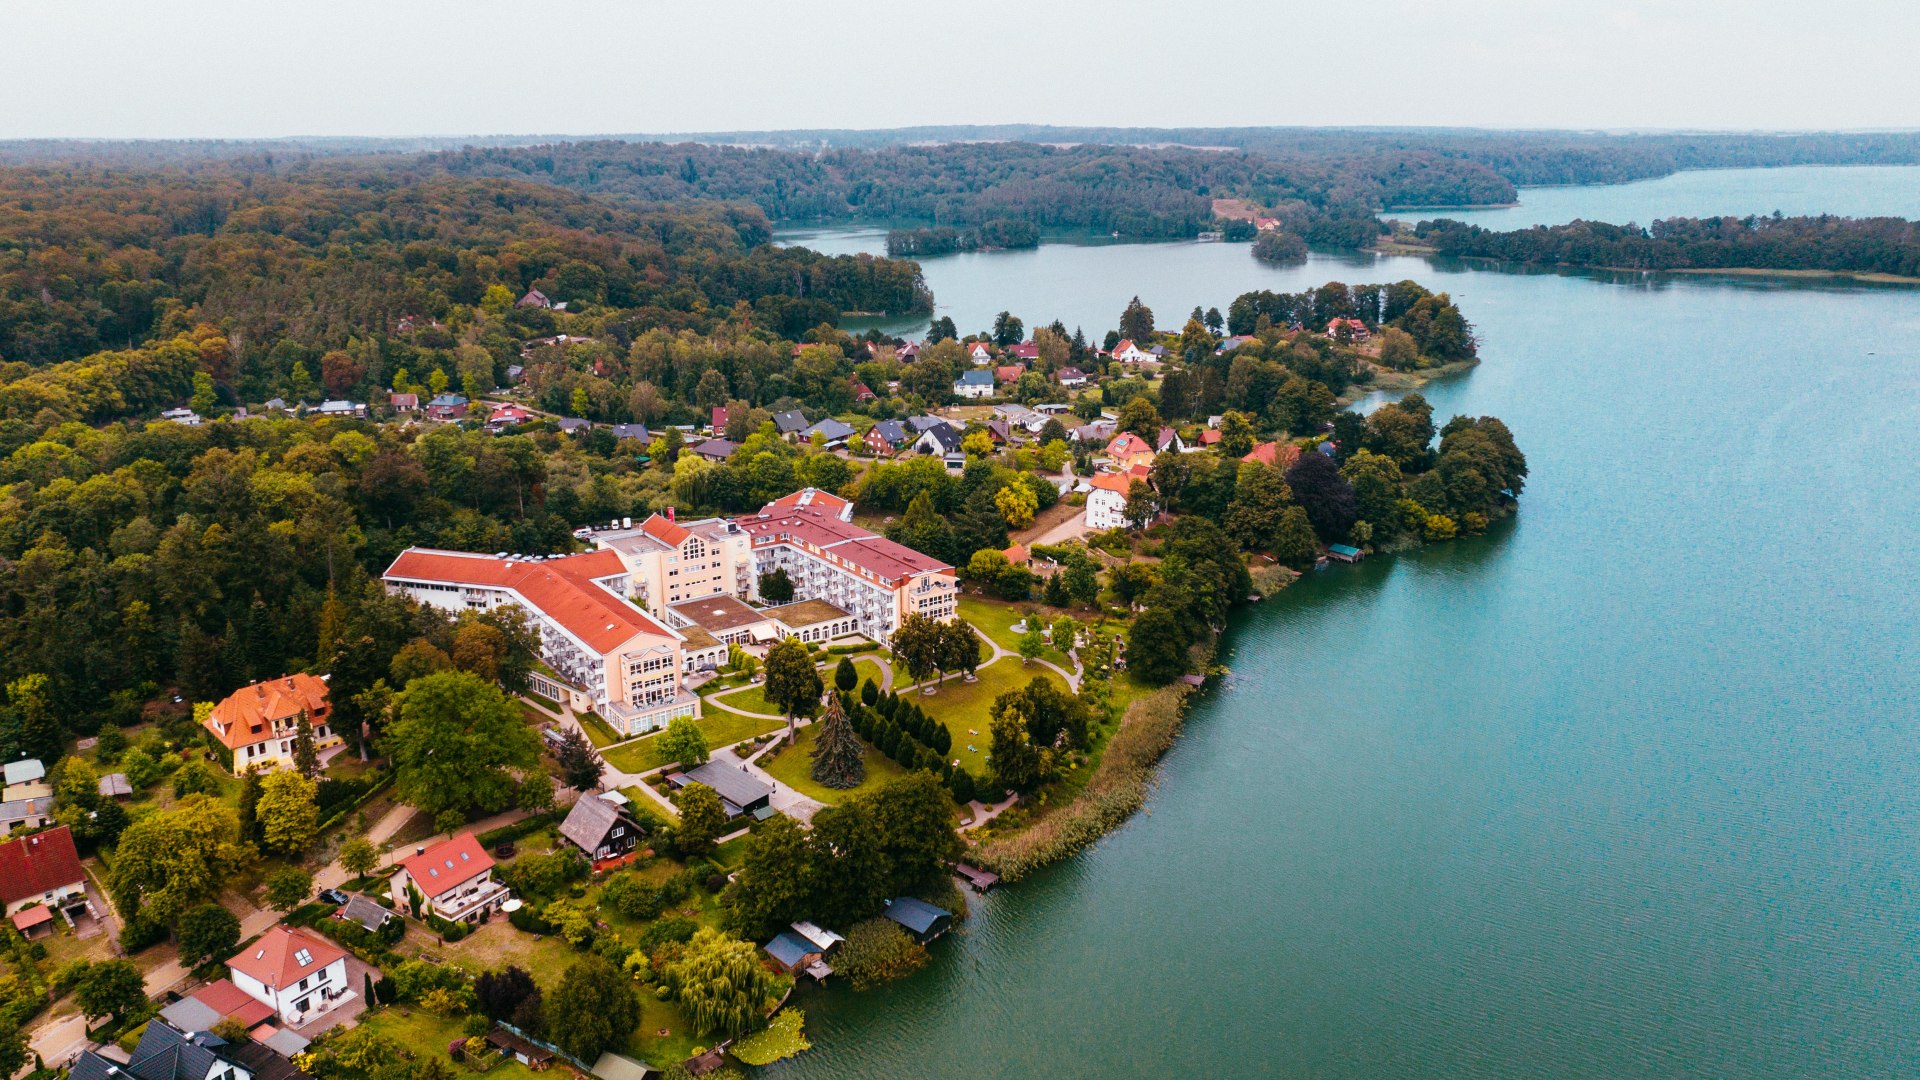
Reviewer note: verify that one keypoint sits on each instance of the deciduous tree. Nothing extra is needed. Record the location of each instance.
(454, 744)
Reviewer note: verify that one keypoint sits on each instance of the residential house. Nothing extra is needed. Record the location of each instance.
(1158, 352)
(340, 408)
(23, 771)
(447, 407)
(1026, 351)
(1098, 431)
(1168, 439)
(505, 416)
(533, 298)
(886, 438)
(1006, 374)
(919, 918)
(631, 431)
(1127, 450)
(183, 417)
(1347, 330)
(833, 433)
(790, 423)
(921, 423)
(573, 425)
(1281, 455)
(43, 870)
(717, 450)
(602, 652)
(1227, 345)
(1020, 417)
(601, 829)
(1107, 500)
(455, 878)
(979, 353)
(293, 971)
(1209, 438)
(370, 915)
(403, 403)
(1266, 224)
(740, 791)
(1070, 377)
(717, 421)
(862, 392)
(1126, 352)
(219, 1000)
(999, 431)
(977, 383)
(942, 440)
(909, 352)
(26, 812)
(515, 372)
(259, 724)
(166, 1052)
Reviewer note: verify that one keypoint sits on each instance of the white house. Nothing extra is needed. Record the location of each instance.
(294, 971)
(1126, 352)
(455, 876)
(979, 353)
(1107, 500)
(974, 384)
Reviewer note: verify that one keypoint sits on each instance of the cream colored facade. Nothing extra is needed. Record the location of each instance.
(668, 562)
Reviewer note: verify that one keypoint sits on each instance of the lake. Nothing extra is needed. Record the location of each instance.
(1629, 787)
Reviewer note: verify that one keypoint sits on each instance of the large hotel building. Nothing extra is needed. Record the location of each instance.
(623, 626)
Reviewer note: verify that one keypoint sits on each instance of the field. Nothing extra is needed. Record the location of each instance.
(963, 706)
(721, 728)
(794, 768)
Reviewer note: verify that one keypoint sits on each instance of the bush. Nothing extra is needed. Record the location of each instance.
(878, 951)
(524, 827)
(529, 921)
(672, 930)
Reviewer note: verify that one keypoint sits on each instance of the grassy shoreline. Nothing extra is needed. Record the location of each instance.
(1865, 277)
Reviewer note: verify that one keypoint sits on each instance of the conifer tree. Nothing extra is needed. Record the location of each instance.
(836, 753)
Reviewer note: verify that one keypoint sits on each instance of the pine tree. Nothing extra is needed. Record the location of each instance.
(836, 753)
(305, 758)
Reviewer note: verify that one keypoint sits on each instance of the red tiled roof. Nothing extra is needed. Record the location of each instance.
(229, 1000)
(814, 497)
(1274, 453)
(1009, 372)
(28, 918)
(33, 866)
(854, 545)
(1209, 437)
(447, 864)
(563, 589)
(1019, 555)
(248, 714)
(1127, 443)
(1120, 483)
(667, 532)
(275, 960)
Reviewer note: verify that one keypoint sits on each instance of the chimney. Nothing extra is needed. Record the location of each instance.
(669, 513)
(421, 850)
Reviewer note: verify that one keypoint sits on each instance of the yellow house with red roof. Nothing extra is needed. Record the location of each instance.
(258, 724)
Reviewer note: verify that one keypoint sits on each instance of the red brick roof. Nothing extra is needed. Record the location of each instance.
(563, 589)
(248, 714)
(821, 528)
(32, 866)
(276, 959)
(447, 864)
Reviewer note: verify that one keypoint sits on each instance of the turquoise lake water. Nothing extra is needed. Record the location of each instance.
(1628, 788)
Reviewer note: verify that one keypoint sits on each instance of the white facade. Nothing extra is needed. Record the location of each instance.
(1106, 509)
(305, 999)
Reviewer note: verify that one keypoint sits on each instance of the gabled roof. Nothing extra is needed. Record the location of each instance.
(285, 955)
(1165, 438)
(365, 912)
(790, 948)
(588, 823)
(1066, 373)
(1127, 443)
(829, 429)
(976, 377)
(1009, 372)
(1277, 454)
(814, 497)
(915, 914)
(891, 430)
(23, 771)
(719, 449)
(786, 423)
(670, 533)
(732, 784)
(946, 435)
(1026, 350)
(631, 431)
(448, 863)
(31, 866)
(1119, 483)
(226, 999)
(563, 589)
(115, 784)
(247, 715)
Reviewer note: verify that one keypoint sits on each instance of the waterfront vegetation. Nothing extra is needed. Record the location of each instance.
(1885, 246)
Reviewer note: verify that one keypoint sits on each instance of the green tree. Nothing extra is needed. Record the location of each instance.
(358, 856)
(845, 678)
(454, 743)
(837, 759)
(776, 587)
(701, 819)
(580, 767)
(1033, 644)
(792, 683)
(1015, 761)
(1008, 329)
(1141, 418)
(203, 399)
(684, 742)
(288, 814)
(1081, 580)
(173, 859)
(777, 879)
(1136, 322)
(1156, 647)
(720, 983)
(107, 988)
(206, 932)
(1293, 541)
(288, 888)
(1260, 498)
(592, 1010)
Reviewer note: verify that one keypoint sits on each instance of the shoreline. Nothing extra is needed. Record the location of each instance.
(1866, 277)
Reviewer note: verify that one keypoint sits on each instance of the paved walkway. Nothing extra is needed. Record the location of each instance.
(983, 812)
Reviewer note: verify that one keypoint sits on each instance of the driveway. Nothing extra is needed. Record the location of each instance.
(60, 1041)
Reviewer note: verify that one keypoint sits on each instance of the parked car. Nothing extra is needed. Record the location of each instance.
(333, 896)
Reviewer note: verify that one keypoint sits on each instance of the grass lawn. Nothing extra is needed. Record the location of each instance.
(962, 706)
(794, 768)
(656, 1016)
(599, 733)
(496, 944)
(426, 1034)
(867, 668)
(995, 618)
(722, 728)
(753, 699)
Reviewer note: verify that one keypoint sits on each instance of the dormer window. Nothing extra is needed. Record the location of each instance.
(303, 958)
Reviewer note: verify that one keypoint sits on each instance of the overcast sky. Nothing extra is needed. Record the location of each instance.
(424, 67)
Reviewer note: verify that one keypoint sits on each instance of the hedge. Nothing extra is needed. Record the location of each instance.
(526, 826)
(842, 650)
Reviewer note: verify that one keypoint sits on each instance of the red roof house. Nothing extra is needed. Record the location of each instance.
(42, 868)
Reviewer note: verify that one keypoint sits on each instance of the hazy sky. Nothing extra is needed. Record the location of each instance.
(425, 67)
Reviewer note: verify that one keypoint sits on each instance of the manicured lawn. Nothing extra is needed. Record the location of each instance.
(752, 699)
(722, 728)
(598, 731)
(497, 944)
(962, 706)
(428, 1035)
(794, 768)
(995, 618)
(867, 668)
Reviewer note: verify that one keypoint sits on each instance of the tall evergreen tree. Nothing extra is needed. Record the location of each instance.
(836, 752)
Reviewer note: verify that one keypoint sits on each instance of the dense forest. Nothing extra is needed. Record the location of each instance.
(1851, 245)
(945, 240)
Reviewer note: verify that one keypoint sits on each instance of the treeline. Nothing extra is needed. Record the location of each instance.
(944, 240)
(335, 258)
(1882, 245)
